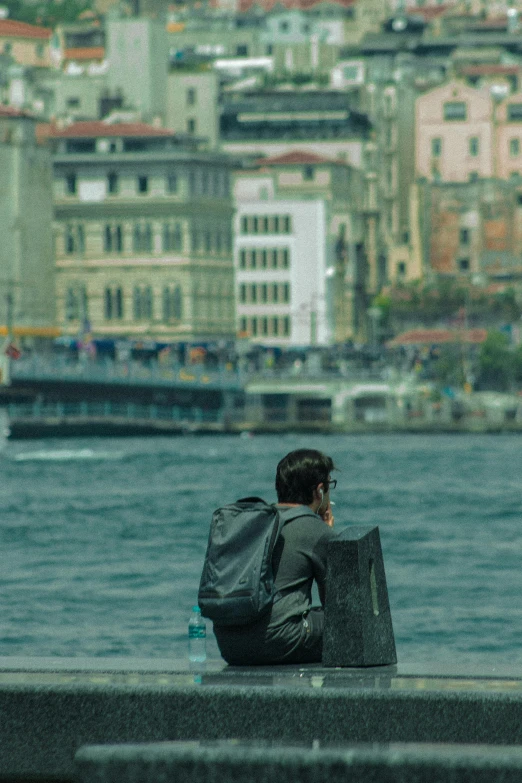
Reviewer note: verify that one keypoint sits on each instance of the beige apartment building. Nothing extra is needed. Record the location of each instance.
(143, 234)
(27, 44)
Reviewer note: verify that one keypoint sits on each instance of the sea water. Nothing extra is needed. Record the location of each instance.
(102, 540)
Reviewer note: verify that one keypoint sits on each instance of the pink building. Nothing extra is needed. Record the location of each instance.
(454, 133)
(508, 149)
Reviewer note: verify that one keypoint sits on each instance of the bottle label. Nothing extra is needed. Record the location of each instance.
(197, 633)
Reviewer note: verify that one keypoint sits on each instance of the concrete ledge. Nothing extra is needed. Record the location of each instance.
(48, 711)
(263, 763)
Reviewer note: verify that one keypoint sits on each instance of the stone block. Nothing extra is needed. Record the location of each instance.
(358, 627)
(262, 762)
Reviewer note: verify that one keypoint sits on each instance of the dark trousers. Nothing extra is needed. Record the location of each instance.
(248, 646)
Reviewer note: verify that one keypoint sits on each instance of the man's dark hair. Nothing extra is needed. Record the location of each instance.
(299, 473)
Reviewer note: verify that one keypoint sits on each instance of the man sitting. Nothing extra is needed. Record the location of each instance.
(291, 631)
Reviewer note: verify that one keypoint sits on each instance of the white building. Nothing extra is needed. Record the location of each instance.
(282, 272)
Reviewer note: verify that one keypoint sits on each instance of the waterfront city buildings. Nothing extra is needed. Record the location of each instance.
(418, 101)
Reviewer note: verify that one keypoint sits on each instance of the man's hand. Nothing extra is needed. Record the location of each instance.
(327, 516)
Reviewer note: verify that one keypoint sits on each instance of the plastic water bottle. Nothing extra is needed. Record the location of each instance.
(197, 637)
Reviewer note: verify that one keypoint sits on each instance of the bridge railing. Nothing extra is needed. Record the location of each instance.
(109, 371)
(134, 372)
(112, 409)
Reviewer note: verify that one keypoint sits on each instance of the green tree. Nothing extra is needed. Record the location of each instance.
(448, 370)
(496, 362)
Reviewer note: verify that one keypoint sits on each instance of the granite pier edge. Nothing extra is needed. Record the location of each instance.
(50, 708)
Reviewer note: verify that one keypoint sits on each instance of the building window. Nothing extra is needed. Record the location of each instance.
(172, 303)
(464, 236)
(74, 240)
(172, 183)
(455, 110)
(463, 264)
(474, 146)
(142, 237)
(113, 239)
(253, 327)
(191, 125)
(286, 292)
(286, 325)
(242, 259)
(515, 112)
(142, 303)
(73, 102)
(275, 292)
(143, 184)
(76, 303)
(308, 172)
(253, 293)
(112, 182)
(191, 96)
(242, 50)
(436, 147)
(243, 326)
(242, 292)
(70, 184)
(401, 269)
(172, 237)
(287, 224)
(113, 303)
(473, 176)
(514, 147)
(264, 293)
(39, 49)
(264, 326)
(275, 326)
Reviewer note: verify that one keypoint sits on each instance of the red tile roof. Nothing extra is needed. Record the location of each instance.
(13, 111)
(97, 128)
(85, 53)
(13, 29)
(438, 336)
(302, 5)
(430, 12)
(298, 157)
(494, 69)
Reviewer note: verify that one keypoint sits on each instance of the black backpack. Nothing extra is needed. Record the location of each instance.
(237, 583)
